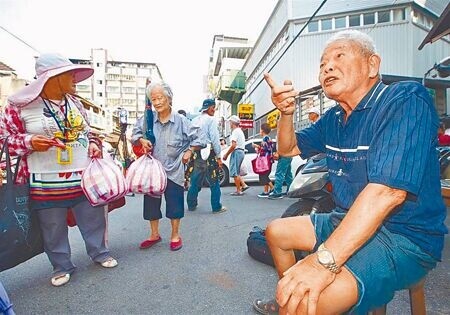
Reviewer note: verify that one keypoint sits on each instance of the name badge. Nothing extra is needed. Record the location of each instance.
(64, 156)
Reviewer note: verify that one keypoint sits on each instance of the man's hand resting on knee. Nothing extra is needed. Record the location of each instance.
(305, 280)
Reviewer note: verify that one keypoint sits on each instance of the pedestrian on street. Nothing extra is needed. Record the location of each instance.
(236, 150)
(207, 168)
(265, 149)
(387, 230)
(48, 126)
(175, 140)
(283, 174)
(313, 114)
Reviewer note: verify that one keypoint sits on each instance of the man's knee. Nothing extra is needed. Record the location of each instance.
(274, 231)
(291, 233)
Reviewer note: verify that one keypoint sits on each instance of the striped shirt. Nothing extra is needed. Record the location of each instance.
(390, 138)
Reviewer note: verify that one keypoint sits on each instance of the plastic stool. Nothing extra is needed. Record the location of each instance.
(416, 301)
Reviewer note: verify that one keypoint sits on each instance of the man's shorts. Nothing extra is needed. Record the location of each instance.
(237, 156)
(386, 263)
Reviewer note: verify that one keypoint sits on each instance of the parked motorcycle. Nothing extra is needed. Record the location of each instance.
(312, 187)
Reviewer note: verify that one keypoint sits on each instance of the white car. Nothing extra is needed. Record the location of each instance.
(250, 154)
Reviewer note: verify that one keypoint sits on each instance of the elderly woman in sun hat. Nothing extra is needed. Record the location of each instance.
(172, 141)
(47, 125)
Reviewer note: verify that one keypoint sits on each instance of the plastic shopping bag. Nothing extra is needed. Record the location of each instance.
(147, 176)
(103, 182)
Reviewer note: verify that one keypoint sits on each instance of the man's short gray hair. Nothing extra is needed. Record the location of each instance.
(166, 90)
(364, 41)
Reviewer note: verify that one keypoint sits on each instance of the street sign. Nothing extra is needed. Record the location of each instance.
(272, 118)
(246, 123)
(246, 115)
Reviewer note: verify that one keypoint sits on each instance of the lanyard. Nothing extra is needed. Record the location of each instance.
(64, 128)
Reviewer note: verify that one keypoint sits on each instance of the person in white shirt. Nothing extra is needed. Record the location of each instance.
(313, 114)
(236, 150)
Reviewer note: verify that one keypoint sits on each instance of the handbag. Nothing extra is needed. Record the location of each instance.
(261, 164)
(20, 238)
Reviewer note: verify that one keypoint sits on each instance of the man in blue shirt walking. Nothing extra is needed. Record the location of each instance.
(207, 165)
(387, 230)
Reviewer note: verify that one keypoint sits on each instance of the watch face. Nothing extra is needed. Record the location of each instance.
(325, 257)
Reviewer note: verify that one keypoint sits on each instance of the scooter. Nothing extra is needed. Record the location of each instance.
(312, 187)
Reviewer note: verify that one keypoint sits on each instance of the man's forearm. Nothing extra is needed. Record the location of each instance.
(366, 215)
(287, 142)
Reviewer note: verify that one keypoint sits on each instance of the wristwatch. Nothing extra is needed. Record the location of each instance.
(326, 259)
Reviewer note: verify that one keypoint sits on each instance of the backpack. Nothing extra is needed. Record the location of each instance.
(258, 249)
(257, 246)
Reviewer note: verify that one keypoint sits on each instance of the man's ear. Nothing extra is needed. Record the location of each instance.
(374, 65)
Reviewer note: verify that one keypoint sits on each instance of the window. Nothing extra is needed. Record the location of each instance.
(326, 25)
(339, 22)
(99, 94)
(313, 26)
(354, 20)
(399, 15)
(384, 16)
(369, 18)
(99, 64)
(99, 81)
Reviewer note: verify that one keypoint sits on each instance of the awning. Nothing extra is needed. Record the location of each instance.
(440, 28)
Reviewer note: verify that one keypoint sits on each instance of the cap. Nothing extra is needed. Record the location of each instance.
(207, 103)
(313, 110)
(235, 119)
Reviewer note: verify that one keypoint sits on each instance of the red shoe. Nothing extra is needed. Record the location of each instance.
(149, 243)
(176, 245)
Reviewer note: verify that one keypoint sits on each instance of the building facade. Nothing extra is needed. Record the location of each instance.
(9, 84)
(225, 80)
(116, 85)
(397, 28)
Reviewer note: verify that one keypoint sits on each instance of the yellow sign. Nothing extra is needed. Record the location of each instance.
(246, 108)
(272, 118)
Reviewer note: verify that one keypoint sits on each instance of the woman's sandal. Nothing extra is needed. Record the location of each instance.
(269, 307)
(60, 280)
(109, 263)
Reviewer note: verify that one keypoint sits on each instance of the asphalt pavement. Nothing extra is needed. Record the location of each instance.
(211, 274)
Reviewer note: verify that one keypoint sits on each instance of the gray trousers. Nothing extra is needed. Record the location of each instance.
(92, 224)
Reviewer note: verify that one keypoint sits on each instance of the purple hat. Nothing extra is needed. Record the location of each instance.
(49, 65)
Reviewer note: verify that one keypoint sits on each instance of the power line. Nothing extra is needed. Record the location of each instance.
(19, 39)
(290, 44)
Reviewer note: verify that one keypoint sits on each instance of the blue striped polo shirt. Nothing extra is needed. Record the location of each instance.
(390, 138)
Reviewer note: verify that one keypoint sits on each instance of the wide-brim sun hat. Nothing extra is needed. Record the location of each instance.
(49, 65)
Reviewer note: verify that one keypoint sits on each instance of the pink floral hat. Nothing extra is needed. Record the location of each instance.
(47, 66)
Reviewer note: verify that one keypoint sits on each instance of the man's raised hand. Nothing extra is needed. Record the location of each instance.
(283, 96)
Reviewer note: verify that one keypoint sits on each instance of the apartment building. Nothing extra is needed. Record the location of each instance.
(397, 27)
(226, 81)
(116, 85)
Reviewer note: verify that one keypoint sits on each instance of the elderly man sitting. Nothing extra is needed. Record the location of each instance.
(387, 230)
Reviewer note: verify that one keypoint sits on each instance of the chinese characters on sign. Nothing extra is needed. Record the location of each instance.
(245, 113)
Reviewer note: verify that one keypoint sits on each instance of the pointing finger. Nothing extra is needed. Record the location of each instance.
(269, 80)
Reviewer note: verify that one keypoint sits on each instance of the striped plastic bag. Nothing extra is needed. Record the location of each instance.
(103, 181)
(147, 176)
